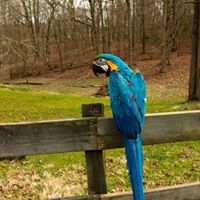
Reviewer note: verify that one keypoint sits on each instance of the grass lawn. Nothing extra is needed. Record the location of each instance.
(56, 175)
(23, 104)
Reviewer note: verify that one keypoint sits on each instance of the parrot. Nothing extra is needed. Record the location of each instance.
(127, 91)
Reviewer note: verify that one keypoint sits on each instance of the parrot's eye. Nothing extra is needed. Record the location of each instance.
(101, 61)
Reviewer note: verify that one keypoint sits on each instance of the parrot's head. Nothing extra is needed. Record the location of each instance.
(107, 63)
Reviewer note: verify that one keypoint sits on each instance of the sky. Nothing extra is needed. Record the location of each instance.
(77, 2)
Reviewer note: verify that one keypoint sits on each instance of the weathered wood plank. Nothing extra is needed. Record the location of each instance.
(158, 128)
(47, 137)
(88, 197)
(93, 110)
(172, 127)
(96, 172)
(96, 177)
(179, 192)
(83, 135)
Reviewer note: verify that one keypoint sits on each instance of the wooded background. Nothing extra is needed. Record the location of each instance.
(49, 30)
(61, 34)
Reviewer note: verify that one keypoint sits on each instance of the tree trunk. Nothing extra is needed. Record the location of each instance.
(130, 33)
(194, 83)
(108, 29)
(94, 29)
(47, 47)
(133, 20)
(143, 27)
(166, 37)
(174, 43)
(118, 29)
(33, 24)
(56, 35)
(102, 26)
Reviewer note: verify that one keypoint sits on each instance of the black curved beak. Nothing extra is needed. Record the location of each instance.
(97, 69)
(100, 68)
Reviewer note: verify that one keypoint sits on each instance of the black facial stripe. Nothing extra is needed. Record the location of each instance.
(108, 72)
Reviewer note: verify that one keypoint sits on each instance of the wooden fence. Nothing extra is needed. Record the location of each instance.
(95, 134)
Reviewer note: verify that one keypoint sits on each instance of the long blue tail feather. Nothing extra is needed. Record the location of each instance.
(134, 157)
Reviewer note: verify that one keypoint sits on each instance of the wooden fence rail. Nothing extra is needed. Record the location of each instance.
(180, 192)
(94, 134)
(70, 135)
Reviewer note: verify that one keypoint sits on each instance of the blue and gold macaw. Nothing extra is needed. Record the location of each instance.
(127, 91)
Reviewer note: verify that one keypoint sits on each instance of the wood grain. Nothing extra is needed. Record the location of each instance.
(180, 192)
(96, 177)
(96, 134)
(158, 128)
(93, 110)
(47, 137)
(87, 134)
(88, 197)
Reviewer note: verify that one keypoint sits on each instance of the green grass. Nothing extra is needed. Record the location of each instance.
(22, 104)
(39, 177)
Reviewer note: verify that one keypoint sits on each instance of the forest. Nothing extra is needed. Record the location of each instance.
(42, 36)
(46, 51)
(66, 33)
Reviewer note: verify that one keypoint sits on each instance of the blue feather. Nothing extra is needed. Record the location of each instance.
(134, 163)
(127, 91)
(124, 106)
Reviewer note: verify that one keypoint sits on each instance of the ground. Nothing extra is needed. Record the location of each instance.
(60, 95)
(81, 81)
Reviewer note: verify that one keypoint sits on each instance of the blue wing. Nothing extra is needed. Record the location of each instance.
(138, 89)
(127, 97)
(127, 103)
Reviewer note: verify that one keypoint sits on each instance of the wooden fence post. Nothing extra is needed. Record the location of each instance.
(94, 159)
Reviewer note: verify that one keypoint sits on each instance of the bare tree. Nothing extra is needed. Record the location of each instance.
(53, 31)
(173, 9)
(166, 36)
(31, 10)
(143, 27)
(130, 32)
(109, 23)
(57, 38)
(172, 25)
(102, 26)
(52, 7)
(94, 26)
(194, 83)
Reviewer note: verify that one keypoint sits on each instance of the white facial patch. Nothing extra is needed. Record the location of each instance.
(105, 67)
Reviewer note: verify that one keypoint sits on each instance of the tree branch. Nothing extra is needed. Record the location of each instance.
(81, 22)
